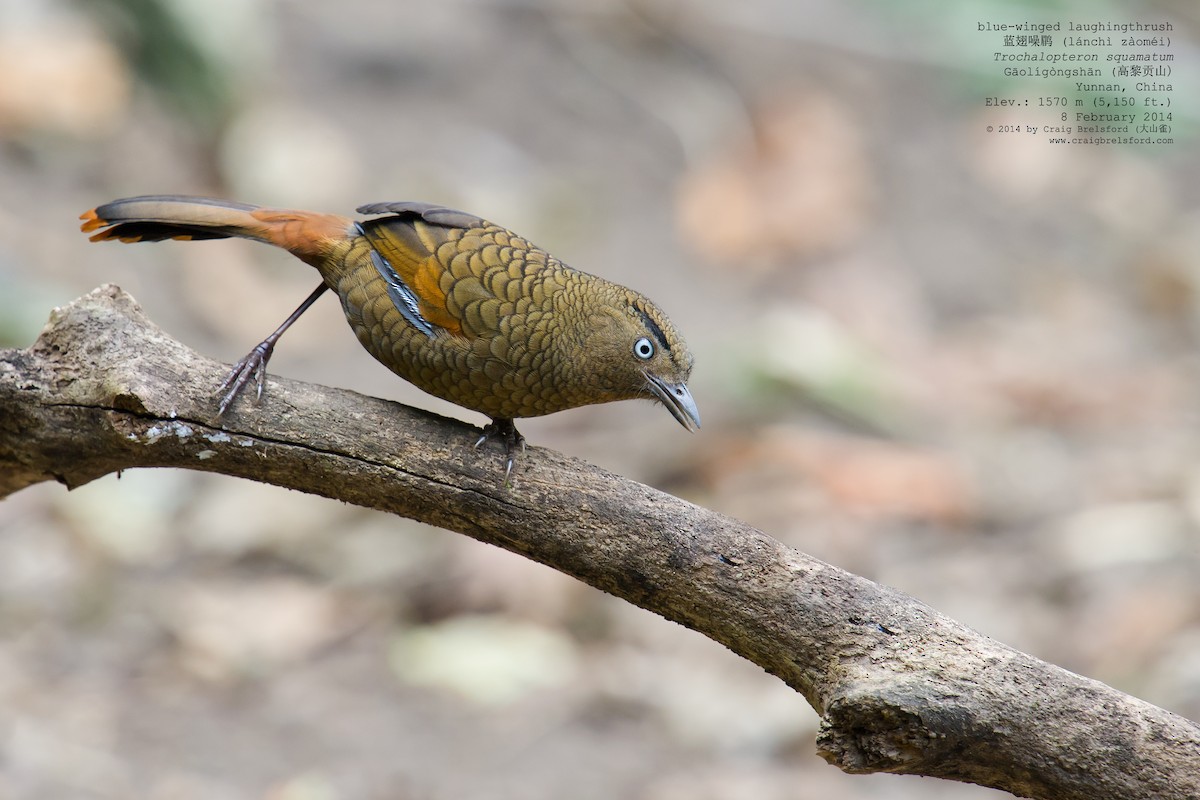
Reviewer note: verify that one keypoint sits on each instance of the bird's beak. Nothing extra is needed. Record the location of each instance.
(677, 399)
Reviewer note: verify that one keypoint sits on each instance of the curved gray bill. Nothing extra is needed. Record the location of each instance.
(677, 399)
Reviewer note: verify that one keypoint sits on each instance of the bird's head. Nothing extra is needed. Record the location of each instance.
(633, 350)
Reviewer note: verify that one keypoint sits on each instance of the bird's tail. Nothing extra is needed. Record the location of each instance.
(153, 218)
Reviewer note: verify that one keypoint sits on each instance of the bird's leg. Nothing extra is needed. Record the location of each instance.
(255, 363)
(512, 438)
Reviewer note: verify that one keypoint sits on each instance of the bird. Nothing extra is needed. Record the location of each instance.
(461, 307)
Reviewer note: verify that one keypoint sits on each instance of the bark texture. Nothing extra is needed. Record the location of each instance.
(900, 687)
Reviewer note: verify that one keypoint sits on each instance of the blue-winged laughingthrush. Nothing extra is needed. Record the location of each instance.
(461, 307)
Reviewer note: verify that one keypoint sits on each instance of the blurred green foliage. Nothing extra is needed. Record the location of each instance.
(167, 55)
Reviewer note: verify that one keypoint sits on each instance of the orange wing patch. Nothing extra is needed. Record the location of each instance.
(410, 247)
(426, 285)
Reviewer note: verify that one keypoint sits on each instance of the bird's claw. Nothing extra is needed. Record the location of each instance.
(253, 365)
(512, 438)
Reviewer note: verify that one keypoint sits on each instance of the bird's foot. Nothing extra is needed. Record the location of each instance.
(512, 438)
(253, 366)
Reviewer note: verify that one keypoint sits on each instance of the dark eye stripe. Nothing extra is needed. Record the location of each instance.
(652, 326)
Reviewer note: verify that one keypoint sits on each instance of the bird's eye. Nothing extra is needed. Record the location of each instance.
(643, 348)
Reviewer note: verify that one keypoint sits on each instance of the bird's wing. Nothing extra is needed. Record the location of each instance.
(463, 274)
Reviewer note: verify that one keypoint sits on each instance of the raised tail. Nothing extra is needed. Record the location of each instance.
(152, 218)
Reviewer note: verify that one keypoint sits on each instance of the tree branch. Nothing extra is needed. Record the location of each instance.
(900, 687)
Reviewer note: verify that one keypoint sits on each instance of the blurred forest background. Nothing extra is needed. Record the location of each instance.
(961, 364)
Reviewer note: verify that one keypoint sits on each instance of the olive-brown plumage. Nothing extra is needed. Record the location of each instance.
(462, 308)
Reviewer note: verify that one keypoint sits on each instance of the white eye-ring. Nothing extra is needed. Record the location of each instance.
(643, 348)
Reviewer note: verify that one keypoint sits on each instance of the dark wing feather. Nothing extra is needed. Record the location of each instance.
(433, 214)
